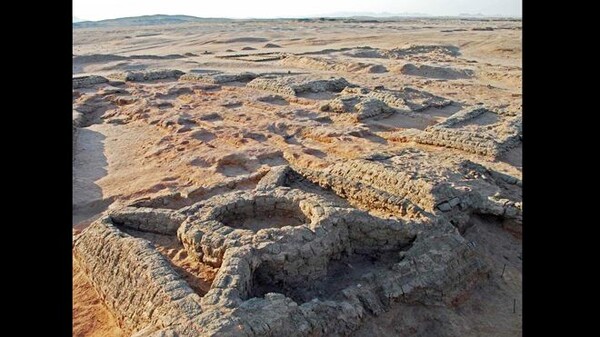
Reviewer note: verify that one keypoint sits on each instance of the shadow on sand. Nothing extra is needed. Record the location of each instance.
(89, 166)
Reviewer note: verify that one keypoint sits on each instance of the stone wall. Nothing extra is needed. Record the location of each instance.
(87, 81)
(146, 75)
(414, 183)
(135, 281)
(261, 271)
(313, 266)
(218, 78)
(295, 85)
(361, 107)
(365, 103)
(488, 140)
(371, 185)
(434, 269)
(160, 221)
(409, 99)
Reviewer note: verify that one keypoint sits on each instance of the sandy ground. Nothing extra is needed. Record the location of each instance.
(90, 316)
(153, 139)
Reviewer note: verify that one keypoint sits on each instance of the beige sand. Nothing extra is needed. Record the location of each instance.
(90, 316)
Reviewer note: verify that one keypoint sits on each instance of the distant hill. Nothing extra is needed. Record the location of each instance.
(145, 20)
(76, 19)
(371, 15)
(471, 15)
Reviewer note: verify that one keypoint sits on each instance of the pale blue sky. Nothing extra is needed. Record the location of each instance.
(108, 9)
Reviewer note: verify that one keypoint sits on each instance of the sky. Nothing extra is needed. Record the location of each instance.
(110, 9)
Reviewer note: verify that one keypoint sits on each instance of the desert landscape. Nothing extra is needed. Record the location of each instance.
(297, 177)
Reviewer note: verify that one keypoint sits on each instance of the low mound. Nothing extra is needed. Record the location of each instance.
(425, 70)
(299, 84)
(147, 75)
(406, 51)
(87, 81)
(320, 63)
(243, 39)
(448, 50)
(377, 69)
(271, 45)
(103, 58)
(219, 78)
(360, 106)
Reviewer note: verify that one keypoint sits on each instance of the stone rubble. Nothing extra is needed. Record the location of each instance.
(146, 75)
(294, 85)
(414, 183)
(460, 131)
(360, 106)
(321, 63)
(219, 78)
(364, 103)
(427, 70)
(88, 81)
(409, 99)
(404, 52)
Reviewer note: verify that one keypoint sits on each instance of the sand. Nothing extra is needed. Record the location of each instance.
(152, 139)
(90, 316)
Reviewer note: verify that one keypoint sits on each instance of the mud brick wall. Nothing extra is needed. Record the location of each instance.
(87, 81)
(334, 84)
(323, 64)
(432, 264)
(147, 75)
(409, 99)
(416, 191)
(467, 141)
(437, 268)
(371, 184)
(423, 276)
(206, 237)
(219, 78)
(492, 143)
(461, 117)
(293, 87)
(361, 106)
(302, 256)
(135, 281)
(160, 221)
(272, 85)
(277, 176)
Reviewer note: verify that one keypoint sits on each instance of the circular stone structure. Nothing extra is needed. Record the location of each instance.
(240, 218)
(262, 212)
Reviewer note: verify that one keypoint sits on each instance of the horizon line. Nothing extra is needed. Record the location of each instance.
(382, 15)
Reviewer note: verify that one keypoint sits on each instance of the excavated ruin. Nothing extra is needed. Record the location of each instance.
(479, 131)
(290, 262)
(297, 247)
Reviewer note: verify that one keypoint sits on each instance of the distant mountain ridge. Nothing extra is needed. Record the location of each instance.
(145, 20)
(162, 19)
(373, 15)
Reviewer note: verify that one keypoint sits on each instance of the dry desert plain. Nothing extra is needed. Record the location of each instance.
(298, 178)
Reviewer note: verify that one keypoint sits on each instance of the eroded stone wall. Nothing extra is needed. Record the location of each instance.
(320, 277)
(135, 281)
(488, 140)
